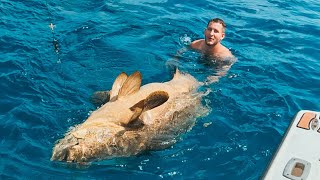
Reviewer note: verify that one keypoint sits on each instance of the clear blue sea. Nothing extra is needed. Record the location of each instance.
(47, 78)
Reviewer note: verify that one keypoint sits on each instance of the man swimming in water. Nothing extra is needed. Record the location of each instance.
(212, 49)
(211, 44)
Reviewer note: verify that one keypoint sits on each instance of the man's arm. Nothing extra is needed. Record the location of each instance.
(196, 45)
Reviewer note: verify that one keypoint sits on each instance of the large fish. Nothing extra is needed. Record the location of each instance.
(134, 119)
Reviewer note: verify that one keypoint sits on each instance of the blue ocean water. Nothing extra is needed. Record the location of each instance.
(47, 78)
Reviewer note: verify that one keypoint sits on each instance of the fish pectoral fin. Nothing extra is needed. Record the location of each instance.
(138, 105)
(131, 85)
(136, 113)
(137, 109)
(117, 85)
(155, 99)
(134, 122)
(100, 97)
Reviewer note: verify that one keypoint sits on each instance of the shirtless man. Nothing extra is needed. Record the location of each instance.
(211, 45)
(212, 50)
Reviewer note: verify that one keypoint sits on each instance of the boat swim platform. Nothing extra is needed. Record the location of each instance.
(298, 155)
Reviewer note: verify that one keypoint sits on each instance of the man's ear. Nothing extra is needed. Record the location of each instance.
(222, 36)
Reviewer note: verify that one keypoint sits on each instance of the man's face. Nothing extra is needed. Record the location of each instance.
(213, 33)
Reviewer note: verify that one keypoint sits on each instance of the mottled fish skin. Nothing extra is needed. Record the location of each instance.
(147, 118)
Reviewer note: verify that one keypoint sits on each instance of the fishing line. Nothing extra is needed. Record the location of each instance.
(55, 42)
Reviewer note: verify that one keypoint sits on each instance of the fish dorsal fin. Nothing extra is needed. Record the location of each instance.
(131, 85)
(118, 83)
(177, 74)
(154, 100)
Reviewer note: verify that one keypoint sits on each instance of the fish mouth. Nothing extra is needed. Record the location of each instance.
(64, 149)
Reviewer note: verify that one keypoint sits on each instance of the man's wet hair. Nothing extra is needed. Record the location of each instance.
(218, 20)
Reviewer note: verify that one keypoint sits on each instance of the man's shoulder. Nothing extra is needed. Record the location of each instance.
(197, 44)
(225, 52)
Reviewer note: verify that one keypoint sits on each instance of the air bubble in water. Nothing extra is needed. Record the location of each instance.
(186, 40)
